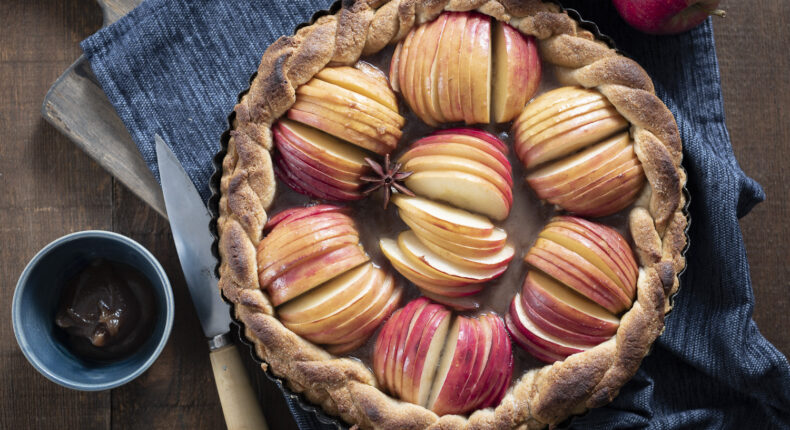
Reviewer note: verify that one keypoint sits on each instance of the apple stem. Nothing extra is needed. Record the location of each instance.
(719, 12)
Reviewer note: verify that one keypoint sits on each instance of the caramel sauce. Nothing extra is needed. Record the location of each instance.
(527, 218)
(107, 311)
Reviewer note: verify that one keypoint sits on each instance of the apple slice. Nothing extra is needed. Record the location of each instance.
(518, 70)
(453, 365)
(451, 294)
(610, 239)
(296, 160)
(461, 244)
(395, 355)
(410, 84)
(536, 351)
(317, 187)
(574, 271)
(572, 172)
(443, 216)
(364, 331)
(464, 303)
(322, 146)
(286, 238)
(315, 272)
(336, 124)
(566, 308)
(412, 272)
(463, 190)
(284, 144)
(388, 128)
(446, 67)
(536, 316)
(572, 135)
(477, 134)
(363, 294)
(501, 367)
(395, 67)
(611, 195)
(461, 146)
(465, 54)
(359, 82)
(432, 263)
(330, 296)
(539, 337)
(467, 397)
(293, 214)
(588, 249)
(427, 357)
(312, 250)
(430, 91)
(359, 322)
(345, 100)
(404, 374)
(500, 259)
(557, 102)
(450, 163)
(480, 78)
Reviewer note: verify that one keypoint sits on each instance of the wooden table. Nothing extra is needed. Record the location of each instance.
(52, 188)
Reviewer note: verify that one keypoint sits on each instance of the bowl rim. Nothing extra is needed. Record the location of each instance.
(24, 345)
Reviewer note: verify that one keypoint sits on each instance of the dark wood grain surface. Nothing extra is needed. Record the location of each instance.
(52, 188)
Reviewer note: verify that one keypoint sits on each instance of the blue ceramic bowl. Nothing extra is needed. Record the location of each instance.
(36, 300)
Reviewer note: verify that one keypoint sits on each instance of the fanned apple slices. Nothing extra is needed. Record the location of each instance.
(567, 133)
(338, 115)
(317, 273)
(464, 167)
(449, 253)
(585, 275)
(449, 364)
(461, 67)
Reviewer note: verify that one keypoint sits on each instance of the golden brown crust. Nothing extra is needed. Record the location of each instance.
(347, 388)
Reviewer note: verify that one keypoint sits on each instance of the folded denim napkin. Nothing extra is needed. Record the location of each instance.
(175, 68)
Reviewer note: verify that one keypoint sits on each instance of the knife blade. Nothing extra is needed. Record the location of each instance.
(189, 222)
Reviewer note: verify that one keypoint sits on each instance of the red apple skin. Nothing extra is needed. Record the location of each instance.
(666, 16)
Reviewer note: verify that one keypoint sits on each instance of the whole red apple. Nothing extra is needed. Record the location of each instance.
(666, 16)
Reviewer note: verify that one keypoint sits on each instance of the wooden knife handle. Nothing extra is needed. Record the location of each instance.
(239, 404)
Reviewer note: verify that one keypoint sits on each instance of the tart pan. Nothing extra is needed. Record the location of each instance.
(213, 206)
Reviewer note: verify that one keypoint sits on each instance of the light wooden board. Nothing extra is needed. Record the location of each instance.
(77, 106)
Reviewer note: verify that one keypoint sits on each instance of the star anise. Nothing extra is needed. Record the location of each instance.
(387, 177)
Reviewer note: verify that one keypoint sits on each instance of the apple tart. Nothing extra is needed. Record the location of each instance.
(537, 201)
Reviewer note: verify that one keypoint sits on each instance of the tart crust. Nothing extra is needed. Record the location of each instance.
(347, 388)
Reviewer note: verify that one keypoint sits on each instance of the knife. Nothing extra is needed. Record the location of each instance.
(189, 221)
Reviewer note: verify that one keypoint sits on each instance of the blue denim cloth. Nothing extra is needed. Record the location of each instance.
(175, 68)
